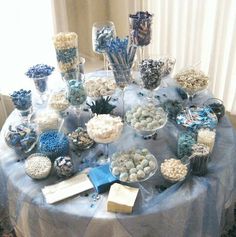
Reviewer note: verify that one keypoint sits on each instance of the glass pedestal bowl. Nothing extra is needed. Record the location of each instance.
(134, 165)
(192, 81)
(146, 123)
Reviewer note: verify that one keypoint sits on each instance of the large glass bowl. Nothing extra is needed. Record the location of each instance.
(139, 159)
(22, 138)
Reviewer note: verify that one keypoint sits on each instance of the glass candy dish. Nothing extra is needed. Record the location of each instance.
(194, 118)
(38, 166)
(192, 81)
(80, 139)
(134, 165)
(144, 122)
(173, 170)
(22, 138)
(217, 106)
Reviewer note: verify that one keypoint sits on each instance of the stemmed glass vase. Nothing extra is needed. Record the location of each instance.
(140, 30)
(102, 34)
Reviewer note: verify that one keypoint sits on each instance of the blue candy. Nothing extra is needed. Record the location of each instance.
(22, 99)
(39, 70)
(53, 144)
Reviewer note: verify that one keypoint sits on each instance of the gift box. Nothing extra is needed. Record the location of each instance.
(121, 198)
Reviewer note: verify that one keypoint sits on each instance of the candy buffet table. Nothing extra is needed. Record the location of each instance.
(199, 206)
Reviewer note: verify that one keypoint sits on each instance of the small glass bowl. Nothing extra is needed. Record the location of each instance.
(148, 132)
(173, 180)
(115, 157)
(216, 106)
(77, 141)
(40, 171)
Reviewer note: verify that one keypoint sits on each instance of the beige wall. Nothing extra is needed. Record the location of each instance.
(79, 16)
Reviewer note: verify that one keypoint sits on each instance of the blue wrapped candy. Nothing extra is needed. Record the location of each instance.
(53, 144)
(121, 57)
(22, 138)
(140, 28)
(195, 118)
(102, 35)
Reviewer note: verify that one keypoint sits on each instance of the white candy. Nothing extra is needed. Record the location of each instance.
(38, 166)
(129, 165)
(144, 163)
(139, 167)
(206, 137)
(152, 165)
(140, 174)
(100, 86)
(104, 128)
(147, 170)
(58, 101)
(115, 171)
(133, 170)
(124, 177)
(133, 177)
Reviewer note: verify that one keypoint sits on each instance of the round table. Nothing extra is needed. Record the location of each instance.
(199, 206)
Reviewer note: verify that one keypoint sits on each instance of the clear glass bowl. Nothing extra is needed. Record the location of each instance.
(191, 92)
(116, 158)
(148, 132)
(22, 138)
(217, 106)
(194, 118)
(78, 141)
(102, 34)
(175, 180)
(40, 171)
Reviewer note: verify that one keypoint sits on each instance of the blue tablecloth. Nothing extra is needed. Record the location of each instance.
(199, 206)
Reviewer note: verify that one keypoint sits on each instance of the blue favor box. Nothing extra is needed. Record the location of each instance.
(102, 178)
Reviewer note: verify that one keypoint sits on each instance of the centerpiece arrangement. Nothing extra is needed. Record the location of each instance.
(50, 149)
